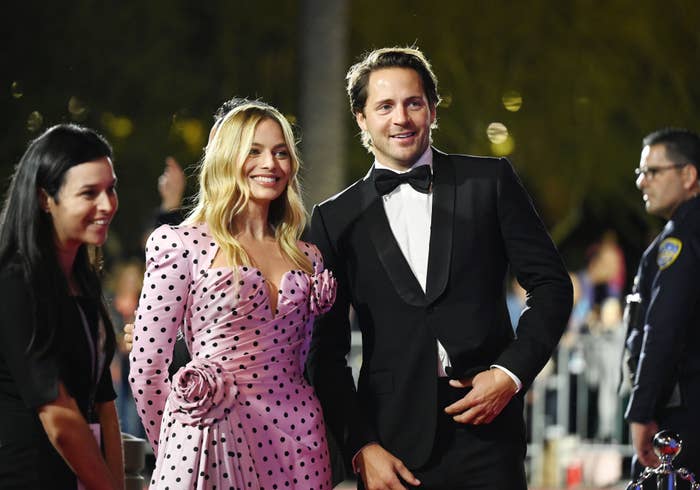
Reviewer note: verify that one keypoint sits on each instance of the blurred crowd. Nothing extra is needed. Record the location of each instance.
(592, 345)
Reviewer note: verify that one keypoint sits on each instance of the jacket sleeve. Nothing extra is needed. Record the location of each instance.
(34, 374)
(327, 365)
(673, 302)
(160, 314)
(540, 270)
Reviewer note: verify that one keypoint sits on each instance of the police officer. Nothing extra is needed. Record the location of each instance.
(663, 342)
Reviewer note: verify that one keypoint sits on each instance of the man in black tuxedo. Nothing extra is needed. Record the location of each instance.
(421, 247)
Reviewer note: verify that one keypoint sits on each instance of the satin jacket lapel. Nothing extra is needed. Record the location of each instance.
(390, 255)
(442, 226)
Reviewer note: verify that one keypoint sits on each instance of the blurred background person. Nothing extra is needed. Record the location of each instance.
(605, 270)
(171, 188)
(122, 289)
(602, 355)
(592, 339)
(59, 423)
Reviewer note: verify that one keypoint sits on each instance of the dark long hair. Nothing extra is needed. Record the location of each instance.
(27, 233)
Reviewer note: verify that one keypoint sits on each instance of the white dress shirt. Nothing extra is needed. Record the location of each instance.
(410, 213)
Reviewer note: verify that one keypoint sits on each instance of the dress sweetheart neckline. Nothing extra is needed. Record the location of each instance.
(228, 268)
(277, 294)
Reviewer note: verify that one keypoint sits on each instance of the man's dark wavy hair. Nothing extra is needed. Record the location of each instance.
(412, 58)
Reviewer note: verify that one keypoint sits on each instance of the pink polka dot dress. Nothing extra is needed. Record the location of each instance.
(240, 414)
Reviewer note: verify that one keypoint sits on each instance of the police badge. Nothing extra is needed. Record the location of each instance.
(669, 250)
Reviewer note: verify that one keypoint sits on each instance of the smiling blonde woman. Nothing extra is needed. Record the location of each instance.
(243, 290)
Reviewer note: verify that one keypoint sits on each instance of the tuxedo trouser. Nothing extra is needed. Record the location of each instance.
(470, 457)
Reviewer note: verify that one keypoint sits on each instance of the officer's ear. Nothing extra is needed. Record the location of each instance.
(690, 176)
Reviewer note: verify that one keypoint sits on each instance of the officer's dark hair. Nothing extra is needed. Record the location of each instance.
(682, 145)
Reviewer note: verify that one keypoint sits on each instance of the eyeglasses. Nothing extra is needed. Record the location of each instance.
(651, 172)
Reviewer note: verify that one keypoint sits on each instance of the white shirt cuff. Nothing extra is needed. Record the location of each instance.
(516, 380)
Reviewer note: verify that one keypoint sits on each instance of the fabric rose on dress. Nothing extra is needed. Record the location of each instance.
(322, 295)
(202, 393)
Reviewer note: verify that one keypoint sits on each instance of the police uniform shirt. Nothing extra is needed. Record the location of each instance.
(663, 345)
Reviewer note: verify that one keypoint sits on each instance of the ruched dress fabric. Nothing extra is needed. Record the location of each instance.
(240, 414)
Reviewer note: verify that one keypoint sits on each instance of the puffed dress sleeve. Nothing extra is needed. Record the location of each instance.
(323, 285)
(322, 292)
(161, 310)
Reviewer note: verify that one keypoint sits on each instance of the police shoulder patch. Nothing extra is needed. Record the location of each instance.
(669, 250)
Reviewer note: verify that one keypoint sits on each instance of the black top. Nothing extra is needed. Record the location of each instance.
(28, 381)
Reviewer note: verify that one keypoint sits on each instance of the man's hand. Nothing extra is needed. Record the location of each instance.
(379, 469)
(642, 437)
(171, 185)
(491, 392)
(128, 337)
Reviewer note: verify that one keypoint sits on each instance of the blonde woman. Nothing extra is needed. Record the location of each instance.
(242, 288)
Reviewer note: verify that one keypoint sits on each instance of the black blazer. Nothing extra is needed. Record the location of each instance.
(482, 222)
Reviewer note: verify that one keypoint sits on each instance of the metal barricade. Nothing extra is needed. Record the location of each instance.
(134, 461)
(667, 445)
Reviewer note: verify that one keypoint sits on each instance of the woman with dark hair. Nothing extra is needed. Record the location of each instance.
(59, 425)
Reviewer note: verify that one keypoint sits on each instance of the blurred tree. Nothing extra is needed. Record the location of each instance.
(323, 25)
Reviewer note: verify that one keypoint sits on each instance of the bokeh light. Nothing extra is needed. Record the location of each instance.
(35, 121)
(191, 131)
(497, 133)
(503, 148)
(117, 126)
(16, 89)
(512, 100)
(77, 109)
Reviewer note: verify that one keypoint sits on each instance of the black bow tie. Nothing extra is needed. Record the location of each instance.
(386, 180)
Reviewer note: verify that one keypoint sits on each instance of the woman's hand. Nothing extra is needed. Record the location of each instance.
(128, 337)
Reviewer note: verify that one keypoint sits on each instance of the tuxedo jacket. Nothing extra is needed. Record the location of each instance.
(483, 222)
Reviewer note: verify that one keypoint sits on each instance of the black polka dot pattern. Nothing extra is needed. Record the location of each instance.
(267, 430)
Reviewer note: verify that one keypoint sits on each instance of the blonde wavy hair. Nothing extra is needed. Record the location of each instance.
(224, 192)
